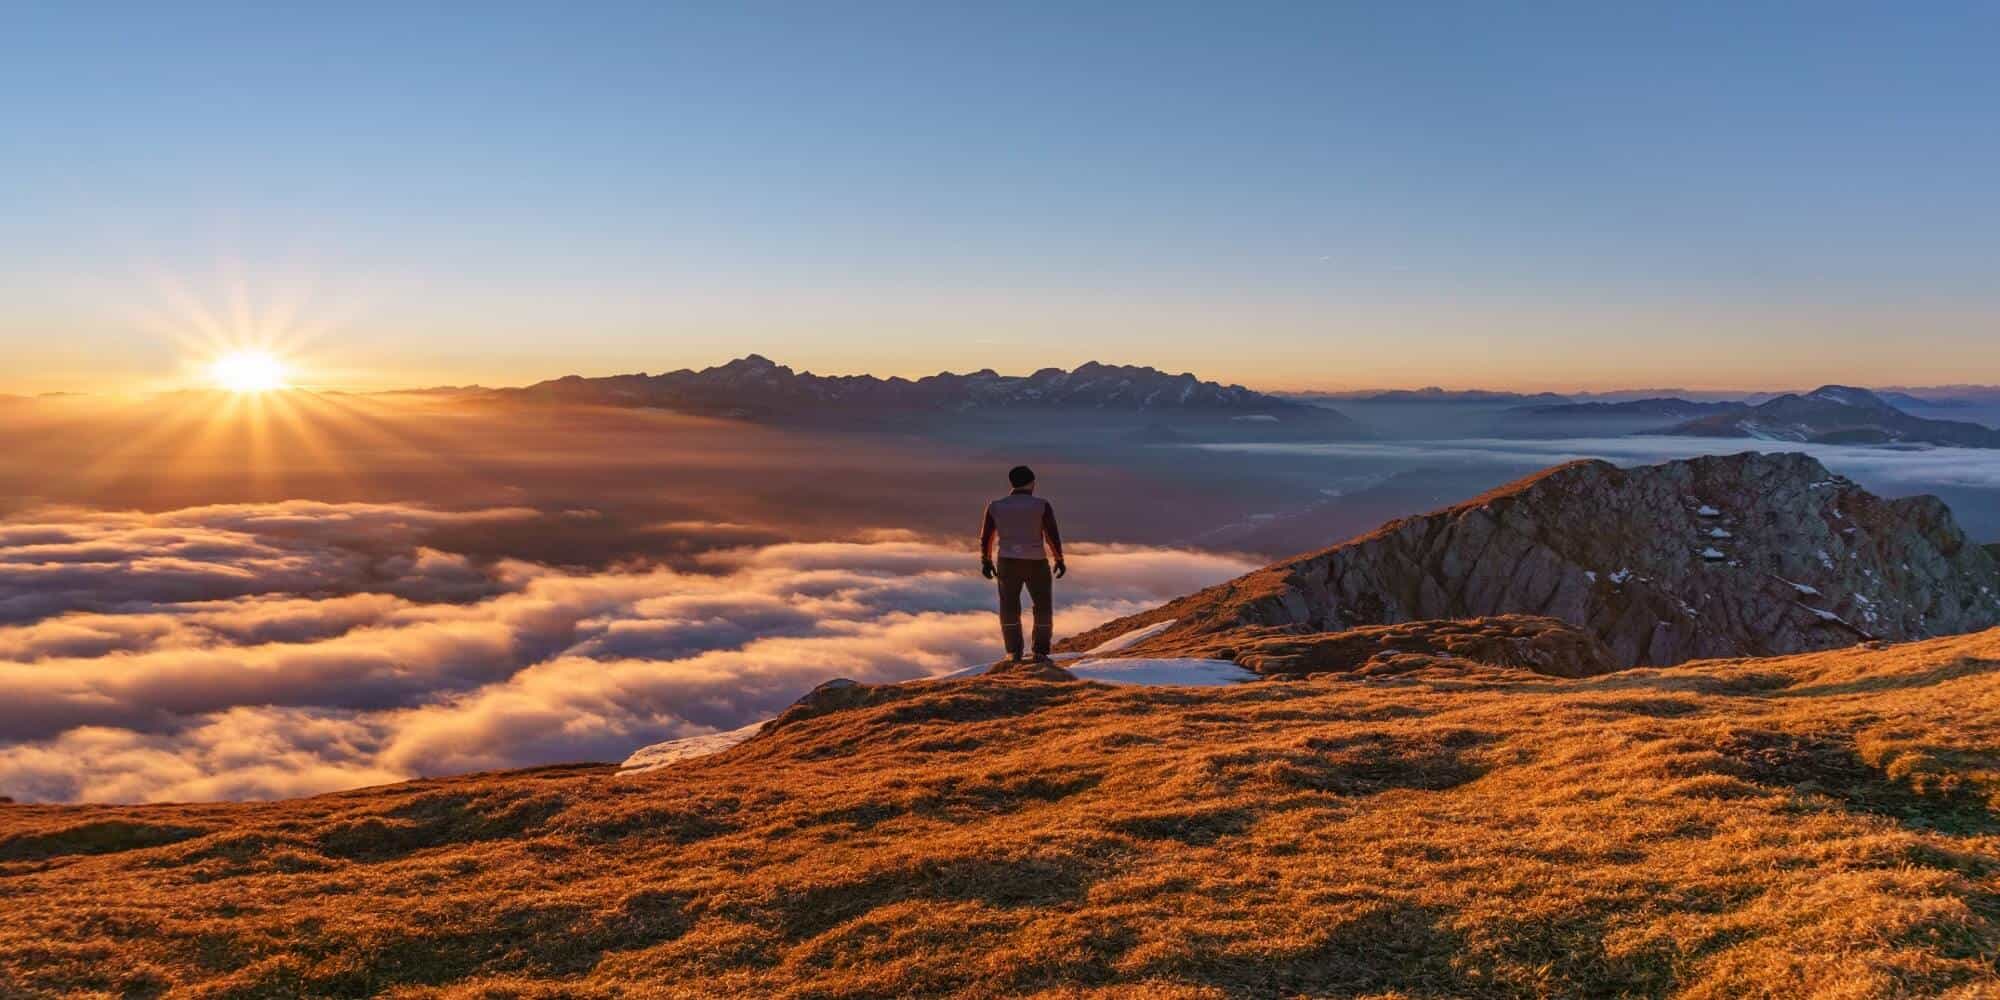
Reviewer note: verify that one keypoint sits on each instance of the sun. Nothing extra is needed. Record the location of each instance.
(248, 371)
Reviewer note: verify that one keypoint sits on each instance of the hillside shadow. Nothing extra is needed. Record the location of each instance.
(1390, 946)
(99, 837)
(1005, 883)
(1960, 668)
(571, 939)
(1369, 763)
(434, 821)
(1194, 827)
(1821, 766)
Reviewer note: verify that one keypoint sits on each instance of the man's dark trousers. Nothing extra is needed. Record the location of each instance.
(1034, 573)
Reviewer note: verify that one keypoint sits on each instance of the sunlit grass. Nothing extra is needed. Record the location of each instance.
(1815, 825)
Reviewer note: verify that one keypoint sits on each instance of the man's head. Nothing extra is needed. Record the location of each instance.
(1022, 477)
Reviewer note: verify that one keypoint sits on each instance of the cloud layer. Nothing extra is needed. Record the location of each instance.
(254, 651)
(1909, 468)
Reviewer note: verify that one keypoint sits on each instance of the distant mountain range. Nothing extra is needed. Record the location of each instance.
(755, 387)
(1830, 414)
(1431, 394)
(1919, 397)
(1942, 396)
(1836, 414)
(1669, 407)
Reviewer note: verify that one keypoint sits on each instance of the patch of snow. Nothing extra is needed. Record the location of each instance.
(1130, 639)
(1720, 533)
(1621, 576)
(1824, 559)
(1800, 587)
(1707, 511)
(659, 755)
(1591, 575)
(1713, 553)
(1189, 672)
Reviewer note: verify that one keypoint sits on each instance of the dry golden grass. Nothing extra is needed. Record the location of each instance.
(1817, 825)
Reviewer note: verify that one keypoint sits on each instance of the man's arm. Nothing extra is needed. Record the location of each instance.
(1053, 535)
(986, 532)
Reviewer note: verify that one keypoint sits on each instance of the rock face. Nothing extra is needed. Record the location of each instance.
(1742, 555)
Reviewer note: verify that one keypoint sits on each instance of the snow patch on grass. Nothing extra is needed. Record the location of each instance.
(660, 755)
(1132, 638)
(1189, 672)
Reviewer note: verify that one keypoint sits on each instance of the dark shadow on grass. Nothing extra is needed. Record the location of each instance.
(1195, 827)
(98, 837)
(1962, 667)
(1365, 763)
(1658, 708)
(1817, 765)
(1387, 947)
(436, 820)
(1032, 881)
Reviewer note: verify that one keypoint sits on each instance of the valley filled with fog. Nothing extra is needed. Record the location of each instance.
(206, 597)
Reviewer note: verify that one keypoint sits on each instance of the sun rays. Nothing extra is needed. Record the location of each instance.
(247, 400)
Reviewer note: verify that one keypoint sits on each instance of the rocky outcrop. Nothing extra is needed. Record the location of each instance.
(830, 696)
(1741, 555)
(1033, 670)
(1543, 645)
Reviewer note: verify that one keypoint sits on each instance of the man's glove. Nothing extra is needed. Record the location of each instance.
(1062, 569)
(986, 569)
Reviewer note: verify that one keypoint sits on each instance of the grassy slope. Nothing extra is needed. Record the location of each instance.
(1824, 824)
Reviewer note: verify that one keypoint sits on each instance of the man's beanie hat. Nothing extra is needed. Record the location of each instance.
(1020, 476)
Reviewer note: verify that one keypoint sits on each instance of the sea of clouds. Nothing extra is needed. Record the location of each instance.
(267, 650)
(1884, 467)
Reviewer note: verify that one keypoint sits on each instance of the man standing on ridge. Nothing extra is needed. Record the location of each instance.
(1017, 525)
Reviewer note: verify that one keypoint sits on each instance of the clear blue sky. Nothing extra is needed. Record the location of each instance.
(1303, 194)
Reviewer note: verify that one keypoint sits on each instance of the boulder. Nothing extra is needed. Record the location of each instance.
(1042, 670)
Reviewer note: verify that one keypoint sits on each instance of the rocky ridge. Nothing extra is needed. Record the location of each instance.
(1723, 556)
